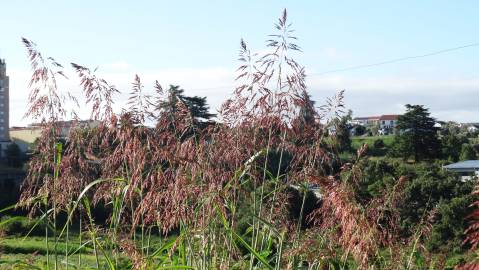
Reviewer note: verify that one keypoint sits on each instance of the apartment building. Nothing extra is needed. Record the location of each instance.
(4, 103)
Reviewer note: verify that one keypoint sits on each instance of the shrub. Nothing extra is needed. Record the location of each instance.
(378, 144)
(468, 152)
(20, 225)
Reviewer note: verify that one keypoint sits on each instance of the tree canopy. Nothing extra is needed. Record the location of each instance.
(13, 155)
(418, 136)
(197, 106)
(342, 135)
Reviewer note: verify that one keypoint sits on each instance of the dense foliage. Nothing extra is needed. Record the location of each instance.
(418, 134)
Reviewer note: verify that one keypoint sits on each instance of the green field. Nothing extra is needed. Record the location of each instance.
(18, 252)
(358, 141)
(30, 253)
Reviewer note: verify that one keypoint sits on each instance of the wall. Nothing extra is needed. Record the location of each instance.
(25, 137)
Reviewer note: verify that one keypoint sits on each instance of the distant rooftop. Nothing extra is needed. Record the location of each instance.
(464, 166)
(68, 123)
(380, 117)
(389, 117)
(367, 118)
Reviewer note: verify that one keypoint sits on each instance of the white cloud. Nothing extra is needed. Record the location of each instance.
(215, 83)
(448, 98)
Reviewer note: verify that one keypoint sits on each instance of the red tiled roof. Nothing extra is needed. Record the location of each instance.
(389, 117)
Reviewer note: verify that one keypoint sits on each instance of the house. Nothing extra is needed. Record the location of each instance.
(385, 121)
(473, 127)
(467, 170)
(365, 121)
(388, 121)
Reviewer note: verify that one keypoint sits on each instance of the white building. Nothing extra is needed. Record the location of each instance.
(365, 121)
(467, 170)
(388, 121)
(473, 128)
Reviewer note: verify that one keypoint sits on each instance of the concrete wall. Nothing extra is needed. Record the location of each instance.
(25, 137)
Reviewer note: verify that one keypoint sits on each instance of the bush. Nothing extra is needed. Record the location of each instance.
(448, 230)
(359, 130)
(379, 143)
(467, 152)
(20, 225)
(428, 188)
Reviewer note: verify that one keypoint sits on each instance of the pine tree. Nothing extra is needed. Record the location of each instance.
(468, 152)
(418, 135)
(197, 106)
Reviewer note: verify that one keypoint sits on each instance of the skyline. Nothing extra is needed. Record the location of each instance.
(195, 46)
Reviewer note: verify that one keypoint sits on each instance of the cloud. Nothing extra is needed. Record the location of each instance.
(448, 98)
(216, 83)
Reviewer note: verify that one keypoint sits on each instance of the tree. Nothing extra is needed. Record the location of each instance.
(468, 152)
(451, 144)
(359, 130)
(307, 113)
(343, 136)
(14, 155)
(197, 106)
(374, 129)
(427, 189)
(378, 143)
(418, 135)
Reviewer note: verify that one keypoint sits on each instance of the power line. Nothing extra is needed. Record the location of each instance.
(365, 65)
(396, 60)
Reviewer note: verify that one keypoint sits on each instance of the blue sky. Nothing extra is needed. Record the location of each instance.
(195, 44)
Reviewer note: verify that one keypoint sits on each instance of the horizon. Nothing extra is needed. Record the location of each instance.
(195, 46)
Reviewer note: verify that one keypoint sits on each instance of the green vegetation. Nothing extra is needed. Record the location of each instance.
(14, 155)
(36, 244)
(418, 137)
(271, 186)
(468, 152)
(358, 141)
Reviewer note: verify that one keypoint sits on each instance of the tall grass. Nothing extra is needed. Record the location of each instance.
(216, 196)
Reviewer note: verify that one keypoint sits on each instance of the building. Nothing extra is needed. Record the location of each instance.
(385, 121)
(4, 102)
(366, 121)
(467, 170)
(66, 126)
(25, 137)
(388, 121)
(472, 127)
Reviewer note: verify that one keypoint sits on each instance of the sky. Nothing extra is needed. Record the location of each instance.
(195, 44)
